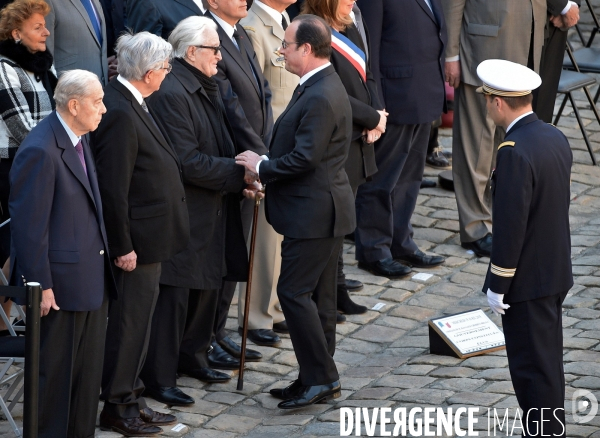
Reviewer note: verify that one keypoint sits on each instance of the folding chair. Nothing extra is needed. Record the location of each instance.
(571, 81)
(16, 351)
(595, 29)
(4, 282)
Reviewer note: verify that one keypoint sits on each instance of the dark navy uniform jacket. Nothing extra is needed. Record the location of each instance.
(531, 243)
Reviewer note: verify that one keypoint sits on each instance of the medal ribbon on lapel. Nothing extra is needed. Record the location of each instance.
(351, 52)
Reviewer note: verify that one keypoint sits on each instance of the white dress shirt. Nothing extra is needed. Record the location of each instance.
(136, 93)
(72, 136)
(200, 5)
(272, 12)
(228, 28)
(517, 119)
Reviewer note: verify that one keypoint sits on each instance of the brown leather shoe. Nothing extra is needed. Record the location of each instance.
(128, 426)
(157, 418)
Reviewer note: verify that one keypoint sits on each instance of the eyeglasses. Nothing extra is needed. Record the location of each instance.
(285, 44)
(168, 68)
(216, 49)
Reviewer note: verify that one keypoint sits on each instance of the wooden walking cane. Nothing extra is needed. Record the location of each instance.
(240, 384)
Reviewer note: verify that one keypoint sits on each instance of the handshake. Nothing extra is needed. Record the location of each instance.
(249, 160)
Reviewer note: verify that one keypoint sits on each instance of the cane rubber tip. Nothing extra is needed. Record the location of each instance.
(240, 385)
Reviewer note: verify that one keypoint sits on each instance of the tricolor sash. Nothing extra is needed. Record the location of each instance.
(351, 52)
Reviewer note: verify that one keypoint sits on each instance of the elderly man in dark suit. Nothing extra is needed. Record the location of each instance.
(161, 16)
(247, 99)
(309, 200)
(410, 78)
(189, 109)
(56, 209)
(146, 222)
(78, 36)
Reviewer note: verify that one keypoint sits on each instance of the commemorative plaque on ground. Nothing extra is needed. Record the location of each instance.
(464, 334)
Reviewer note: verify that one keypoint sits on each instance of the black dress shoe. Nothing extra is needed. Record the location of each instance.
(281, 327)
(288, 392)
(154, 418)
(421, 260)
(345, 303)
(169, 395)
(207, 375)
(427, 184)
(481, 247)
(340, 319)
(128, 426)
(309, 395)
(219, 358)
(437, 159)
(385, 268)
(236, 351)
(353, 285)
(265, 337)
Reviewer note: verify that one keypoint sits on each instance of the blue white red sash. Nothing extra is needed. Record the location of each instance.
(350, 51)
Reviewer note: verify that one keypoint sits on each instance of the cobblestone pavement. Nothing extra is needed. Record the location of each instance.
(383, 356)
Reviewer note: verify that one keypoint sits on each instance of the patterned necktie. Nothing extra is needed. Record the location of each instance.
(94, 18)
(79, 149)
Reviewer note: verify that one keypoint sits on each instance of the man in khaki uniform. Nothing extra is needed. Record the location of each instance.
(265, 27)
(504, 29)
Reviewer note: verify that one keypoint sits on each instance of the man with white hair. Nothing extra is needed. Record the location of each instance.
(146, 223)
(59, 241)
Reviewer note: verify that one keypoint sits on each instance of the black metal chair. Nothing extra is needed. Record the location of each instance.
(21, 351)
(571, 81)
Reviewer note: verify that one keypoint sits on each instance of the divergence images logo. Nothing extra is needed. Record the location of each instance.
(584, 406)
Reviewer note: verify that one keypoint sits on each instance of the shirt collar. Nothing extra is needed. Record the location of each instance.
(72, 136)
(311, 73)
(200, 6)
(136, 93)
(517, 119)
(228, 28)
(269, 10)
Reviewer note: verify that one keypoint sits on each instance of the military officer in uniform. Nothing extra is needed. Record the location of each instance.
(530, 268)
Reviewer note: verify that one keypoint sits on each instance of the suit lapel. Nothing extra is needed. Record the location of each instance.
(69, 155)
(427, 10)
(91, 175)
(86, 17)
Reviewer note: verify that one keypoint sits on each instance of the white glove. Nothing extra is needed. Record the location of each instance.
(495, 302)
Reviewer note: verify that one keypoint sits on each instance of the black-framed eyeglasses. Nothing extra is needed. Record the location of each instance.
(285, 44)
(216, 49)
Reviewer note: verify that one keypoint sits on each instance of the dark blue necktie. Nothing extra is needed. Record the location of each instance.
(95, 19)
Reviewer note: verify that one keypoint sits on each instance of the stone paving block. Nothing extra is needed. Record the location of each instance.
(274, 431)
(193, 420)
(355, 383)
(404, 381)
(412, 341)
(583, 270)
(379, 334)
(432, 234)
(168, 430)
(202, 407)
(411, 286)
(387, 361)
(365, 277)
(453, 262)
(475, 398)
(365, 318)
(434, 359)
(421, 221)
(589, 325)
(587, 382)
(592, 334)
(573, 302)
(380, 393)
(365, 404)
(567, 321)
(583, 368)
(396, 295)
(449, 225)
(423, 395)
(459, 384)
(445, 203)
(346, 328)
(582, 356)
(582, 240)
(359, 346)
(504, 387)
(258, 378)
(423, 211)
(362, 371)
(584, 313)
(437, 191)
(466, 278)
(476, 268)
(231, 386)
(508, 403)
(453, 250)
(445, 214)
(267, 352)
(423, 245)
(322, 428)
(370, 302)
(453, 372)
(233, 423)
(349, 358)
(580, 430)
(494, 374)
(404, 352)
(287, 358)
(368, 290)
(485, 362)
(226, 398)
(414, 370)
(401, 323)
(450, 290)
(190, 382)
(430, 301)
(286, 420)
(587, 281)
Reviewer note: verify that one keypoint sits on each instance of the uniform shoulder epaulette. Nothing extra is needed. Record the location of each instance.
(250, 28)
(506, 143)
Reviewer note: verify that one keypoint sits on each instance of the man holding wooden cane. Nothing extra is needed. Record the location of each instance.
(309, 201)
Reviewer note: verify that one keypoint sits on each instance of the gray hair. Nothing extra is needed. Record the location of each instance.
(73, 84)
(138, 54)
(192, 31)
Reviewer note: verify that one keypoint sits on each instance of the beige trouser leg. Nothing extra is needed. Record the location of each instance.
(474, 145)
(264, 304)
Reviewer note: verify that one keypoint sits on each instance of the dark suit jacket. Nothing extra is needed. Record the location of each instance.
(364, 101)
(140, 181)
(159, 16)
(114, 13)
(247, 100)
(293, 10)
(407, 57)
(308, 194)
(213, 183)
(531, 246)
(58, 236)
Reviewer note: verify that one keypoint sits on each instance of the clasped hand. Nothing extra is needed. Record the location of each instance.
(570, 19)
(249, 160)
